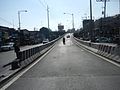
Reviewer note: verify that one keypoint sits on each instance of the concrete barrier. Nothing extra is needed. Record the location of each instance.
(30, 55)
(116, 55)
(109, 51)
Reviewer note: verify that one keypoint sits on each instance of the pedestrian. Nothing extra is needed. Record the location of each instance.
(17, 50)
(64, 40)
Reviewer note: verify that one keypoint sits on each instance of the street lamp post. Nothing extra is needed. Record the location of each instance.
(19, 18)
(72, 19)
(48, 17)
(19, 39)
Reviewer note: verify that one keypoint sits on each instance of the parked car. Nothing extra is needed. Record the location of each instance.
(103, 40)
(7, 46)
(45, 41)
(68, 36)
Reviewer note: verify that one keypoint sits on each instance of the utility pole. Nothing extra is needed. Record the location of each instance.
(119, 6)
(104, 8)
(90, 9)
(73, 20)
(105, 4)
(19, 19)
(91, 32)
(48, 16)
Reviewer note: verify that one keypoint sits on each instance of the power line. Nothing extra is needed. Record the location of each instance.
(45, 2)
(7, 22)
(42, 4)
(47, 9)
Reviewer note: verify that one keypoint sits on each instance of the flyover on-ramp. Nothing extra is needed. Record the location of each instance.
(68, 67)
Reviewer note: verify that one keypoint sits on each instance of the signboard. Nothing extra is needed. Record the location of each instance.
(102, 0)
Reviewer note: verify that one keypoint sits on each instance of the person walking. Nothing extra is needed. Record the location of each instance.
(64, 40)
(17, 50)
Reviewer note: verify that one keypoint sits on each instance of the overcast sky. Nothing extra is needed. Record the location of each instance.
(37, 13)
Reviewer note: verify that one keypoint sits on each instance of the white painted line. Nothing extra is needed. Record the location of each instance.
(29, 67)
(108, 60)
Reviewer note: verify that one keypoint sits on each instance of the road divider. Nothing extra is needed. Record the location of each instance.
(109, 51)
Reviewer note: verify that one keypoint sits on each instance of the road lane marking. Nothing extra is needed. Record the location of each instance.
(24, 71)
(108, 60)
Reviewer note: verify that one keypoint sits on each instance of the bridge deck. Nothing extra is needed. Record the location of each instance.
(68, 67)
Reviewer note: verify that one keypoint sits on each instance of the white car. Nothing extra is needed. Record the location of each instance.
(45, 41)
(68, 36)
(7, 46)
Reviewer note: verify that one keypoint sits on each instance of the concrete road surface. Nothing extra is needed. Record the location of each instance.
(68, 67)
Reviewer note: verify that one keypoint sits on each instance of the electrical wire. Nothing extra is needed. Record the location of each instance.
(7, 21)
(42, 4)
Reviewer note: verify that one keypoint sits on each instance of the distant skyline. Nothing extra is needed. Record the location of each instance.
(36, 17)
